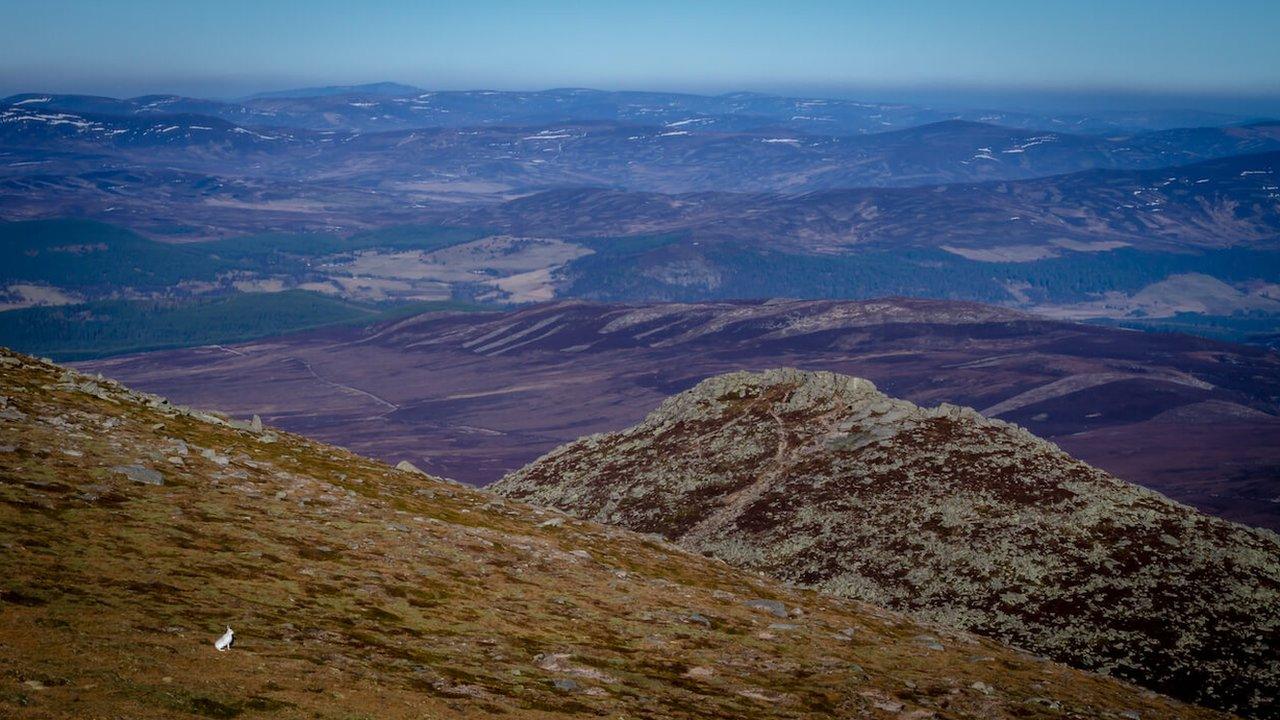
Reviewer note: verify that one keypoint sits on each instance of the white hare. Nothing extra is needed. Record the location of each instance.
(224, 642)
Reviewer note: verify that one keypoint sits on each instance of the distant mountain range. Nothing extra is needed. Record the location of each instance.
(160, 171)
(673, 158)
(658, 196)
(1229, 202)
(391, 106)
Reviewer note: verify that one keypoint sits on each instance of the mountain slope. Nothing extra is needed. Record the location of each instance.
(134, 532)
(821, 480)
(931, 185)
(1218, 203)
(31, 127)
(641, 155)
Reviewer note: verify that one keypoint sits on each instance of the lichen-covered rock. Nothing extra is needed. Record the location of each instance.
(139, 474)
(406, 466)
(821, 480)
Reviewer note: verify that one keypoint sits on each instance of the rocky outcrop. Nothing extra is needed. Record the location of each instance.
(822, 481)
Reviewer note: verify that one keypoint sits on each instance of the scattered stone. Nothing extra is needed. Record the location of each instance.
(699, 619)
(568, 685)
(560, 663)
(982, 687)
(1046, 702)
(553, 522)
(139, 474)
(92, 388)
(207, 418)
(701, 671)
(773, 607)
(406, 466)
(215, 458)
(760, 695)
(929, 641)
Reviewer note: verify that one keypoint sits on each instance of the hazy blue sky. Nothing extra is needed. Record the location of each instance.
(231, 47)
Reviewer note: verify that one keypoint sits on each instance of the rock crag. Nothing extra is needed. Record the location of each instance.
(820, 480)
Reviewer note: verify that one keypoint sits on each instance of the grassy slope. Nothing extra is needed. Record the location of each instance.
(360, 591)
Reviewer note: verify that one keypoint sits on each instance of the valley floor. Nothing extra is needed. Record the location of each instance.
(475, 396)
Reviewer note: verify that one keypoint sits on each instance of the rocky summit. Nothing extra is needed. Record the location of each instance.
(820, 480)
(135, 534)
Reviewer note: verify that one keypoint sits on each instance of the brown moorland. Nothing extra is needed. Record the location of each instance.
(476, 396)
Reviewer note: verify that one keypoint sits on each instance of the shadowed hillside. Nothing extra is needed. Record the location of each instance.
(476, 396)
